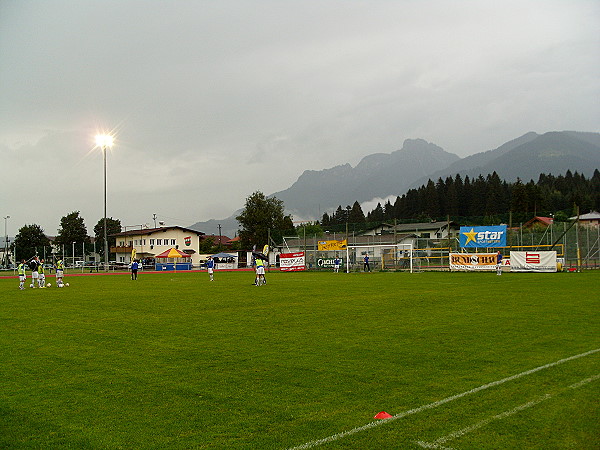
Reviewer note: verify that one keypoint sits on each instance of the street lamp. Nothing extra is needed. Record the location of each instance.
(103, 141)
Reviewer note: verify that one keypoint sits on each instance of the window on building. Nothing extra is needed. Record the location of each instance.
(159, 242)
(151, 241)
(173, 241)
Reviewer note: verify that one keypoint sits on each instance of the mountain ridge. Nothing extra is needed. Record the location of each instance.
(377, 172)
(380, 175)
(528, 156)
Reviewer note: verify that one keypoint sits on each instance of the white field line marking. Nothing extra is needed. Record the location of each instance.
(432, 445)
(484, 422)
(437, 443)
(409, 412)
(586, 381)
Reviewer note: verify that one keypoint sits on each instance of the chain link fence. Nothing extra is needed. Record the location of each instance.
(577, 246)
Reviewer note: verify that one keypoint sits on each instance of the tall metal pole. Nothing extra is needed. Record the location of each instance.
(577, 241)
(105, 236)
(5, 241)
(220, 238)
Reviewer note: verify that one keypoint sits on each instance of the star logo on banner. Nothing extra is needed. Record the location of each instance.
(470, 236)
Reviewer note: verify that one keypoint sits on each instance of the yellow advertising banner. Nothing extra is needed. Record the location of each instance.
(324, 246)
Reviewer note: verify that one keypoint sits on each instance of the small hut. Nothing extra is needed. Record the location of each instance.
(173, 259)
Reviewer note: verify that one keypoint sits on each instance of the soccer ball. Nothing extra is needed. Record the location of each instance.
(31, 285)
(49, 285)
(67, 284)
(60, 285)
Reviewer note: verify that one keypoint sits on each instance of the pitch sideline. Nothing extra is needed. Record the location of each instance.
(409, 412)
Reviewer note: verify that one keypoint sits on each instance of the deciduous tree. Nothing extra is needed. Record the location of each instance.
(113, 226)
(30, 241)
(261, 214)
(72, 229)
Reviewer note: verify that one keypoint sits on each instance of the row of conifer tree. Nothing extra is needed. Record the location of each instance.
(483, 200)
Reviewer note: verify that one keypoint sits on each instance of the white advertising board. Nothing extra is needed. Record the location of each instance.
(533, 261)
(291, 262)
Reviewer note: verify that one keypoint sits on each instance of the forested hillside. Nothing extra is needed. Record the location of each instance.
(484, 200)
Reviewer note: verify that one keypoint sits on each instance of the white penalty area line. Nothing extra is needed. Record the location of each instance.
(438, 443)
(409, 412)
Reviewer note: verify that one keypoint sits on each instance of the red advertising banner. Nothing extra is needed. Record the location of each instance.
(290, 262)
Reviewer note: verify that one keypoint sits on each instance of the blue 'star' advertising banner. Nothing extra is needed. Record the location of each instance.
(493, 236)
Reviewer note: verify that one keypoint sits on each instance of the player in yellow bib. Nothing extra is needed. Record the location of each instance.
(60, 268)
(21, 270)
(260, 272)
(41, 274)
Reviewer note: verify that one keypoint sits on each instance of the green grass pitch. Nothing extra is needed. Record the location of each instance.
(176, 361)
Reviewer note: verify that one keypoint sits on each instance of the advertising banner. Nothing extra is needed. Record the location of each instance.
(533, 261)
(472, 261)
(291, 262)
(324, 246)
(483, 237)
(328, 263)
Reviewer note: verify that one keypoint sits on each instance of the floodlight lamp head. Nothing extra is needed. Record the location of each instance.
(104, 140)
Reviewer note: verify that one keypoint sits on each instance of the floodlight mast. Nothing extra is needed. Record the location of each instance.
(5, 255)
(103, 141)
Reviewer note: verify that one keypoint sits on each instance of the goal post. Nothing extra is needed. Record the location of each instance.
(387, 256)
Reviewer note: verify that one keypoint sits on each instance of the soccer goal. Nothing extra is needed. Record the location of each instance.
(381, 256)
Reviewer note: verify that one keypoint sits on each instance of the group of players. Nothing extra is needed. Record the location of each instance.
(38, 275)
(259, 261)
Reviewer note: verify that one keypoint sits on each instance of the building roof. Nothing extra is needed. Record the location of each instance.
(424, 226)
(407, 227)
(592, 215)
(146, 231)
(222, 240)
(546, 221)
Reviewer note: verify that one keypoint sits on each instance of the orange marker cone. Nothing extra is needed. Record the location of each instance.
(383, 415)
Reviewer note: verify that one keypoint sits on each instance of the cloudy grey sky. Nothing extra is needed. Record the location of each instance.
(210, 101)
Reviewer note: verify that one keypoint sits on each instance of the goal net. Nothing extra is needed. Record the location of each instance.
(381, 257)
